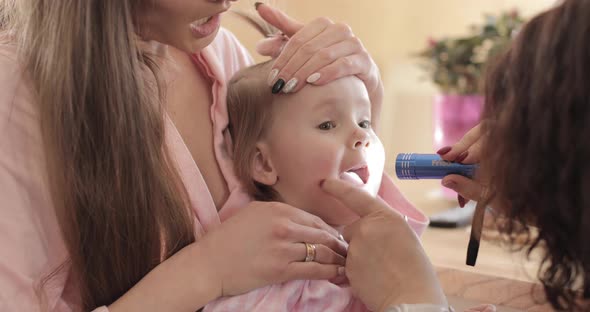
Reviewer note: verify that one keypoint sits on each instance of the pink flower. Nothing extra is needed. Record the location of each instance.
(432, 43)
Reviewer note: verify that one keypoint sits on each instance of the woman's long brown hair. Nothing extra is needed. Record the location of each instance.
(537, 145)
(114, 186)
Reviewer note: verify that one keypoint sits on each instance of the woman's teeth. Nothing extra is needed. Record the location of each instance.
(202, 21)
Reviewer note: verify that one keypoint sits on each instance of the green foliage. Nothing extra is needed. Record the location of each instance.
(456, 65)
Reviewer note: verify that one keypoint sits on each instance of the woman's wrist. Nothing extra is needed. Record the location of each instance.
(429, 293)
(417, 299)
(204, 275)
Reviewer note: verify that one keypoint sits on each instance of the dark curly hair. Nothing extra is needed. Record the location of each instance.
(536, 127)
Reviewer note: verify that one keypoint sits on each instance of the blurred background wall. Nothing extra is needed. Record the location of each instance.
(392, 31)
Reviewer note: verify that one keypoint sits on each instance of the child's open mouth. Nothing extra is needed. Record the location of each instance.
(358, 175)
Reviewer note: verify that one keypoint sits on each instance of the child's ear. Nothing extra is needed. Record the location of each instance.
(263, 170)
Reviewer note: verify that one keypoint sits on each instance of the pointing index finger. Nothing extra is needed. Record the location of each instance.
(356, 199)
(278, 19)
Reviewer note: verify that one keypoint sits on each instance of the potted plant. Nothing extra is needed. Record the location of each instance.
(456, 66)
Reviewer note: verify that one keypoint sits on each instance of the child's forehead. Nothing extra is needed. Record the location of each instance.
(345, 83)
(340, 96)
(344, 89)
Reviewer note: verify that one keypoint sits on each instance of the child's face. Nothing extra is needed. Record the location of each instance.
(324, 132)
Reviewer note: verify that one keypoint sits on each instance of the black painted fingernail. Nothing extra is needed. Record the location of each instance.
(278, 86)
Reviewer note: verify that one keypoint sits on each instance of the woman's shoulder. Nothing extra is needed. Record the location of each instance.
(7, 50)
(9, 66)
(20, 134)
(33, 231)
(21, 149)
(9, 63)
(14, 87)
(18, 112)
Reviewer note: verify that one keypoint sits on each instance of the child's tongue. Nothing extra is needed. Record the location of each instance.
(352, 178)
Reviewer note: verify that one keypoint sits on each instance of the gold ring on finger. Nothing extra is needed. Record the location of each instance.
(310, 252)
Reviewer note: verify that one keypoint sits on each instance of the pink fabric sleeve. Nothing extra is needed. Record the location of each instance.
(220, 61)
(31, 241)
(232, 55)
(30, 238)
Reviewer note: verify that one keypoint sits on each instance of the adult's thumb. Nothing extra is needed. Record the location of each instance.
(466, 187)
(353, 197)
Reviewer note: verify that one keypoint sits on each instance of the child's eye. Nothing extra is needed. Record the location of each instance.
(365, 124)
(327, 125)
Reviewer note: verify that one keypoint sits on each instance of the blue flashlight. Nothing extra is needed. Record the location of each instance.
(412, 166)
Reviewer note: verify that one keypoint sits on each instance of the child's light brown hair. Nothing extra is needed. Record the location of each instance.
(250, 109)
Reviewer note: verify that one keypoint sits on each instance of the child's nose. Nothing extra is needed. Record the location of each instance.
(360, 139)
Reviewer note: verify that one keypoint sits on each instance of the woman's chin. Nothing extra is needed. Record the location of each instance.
(190, 44)
(200, 44)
